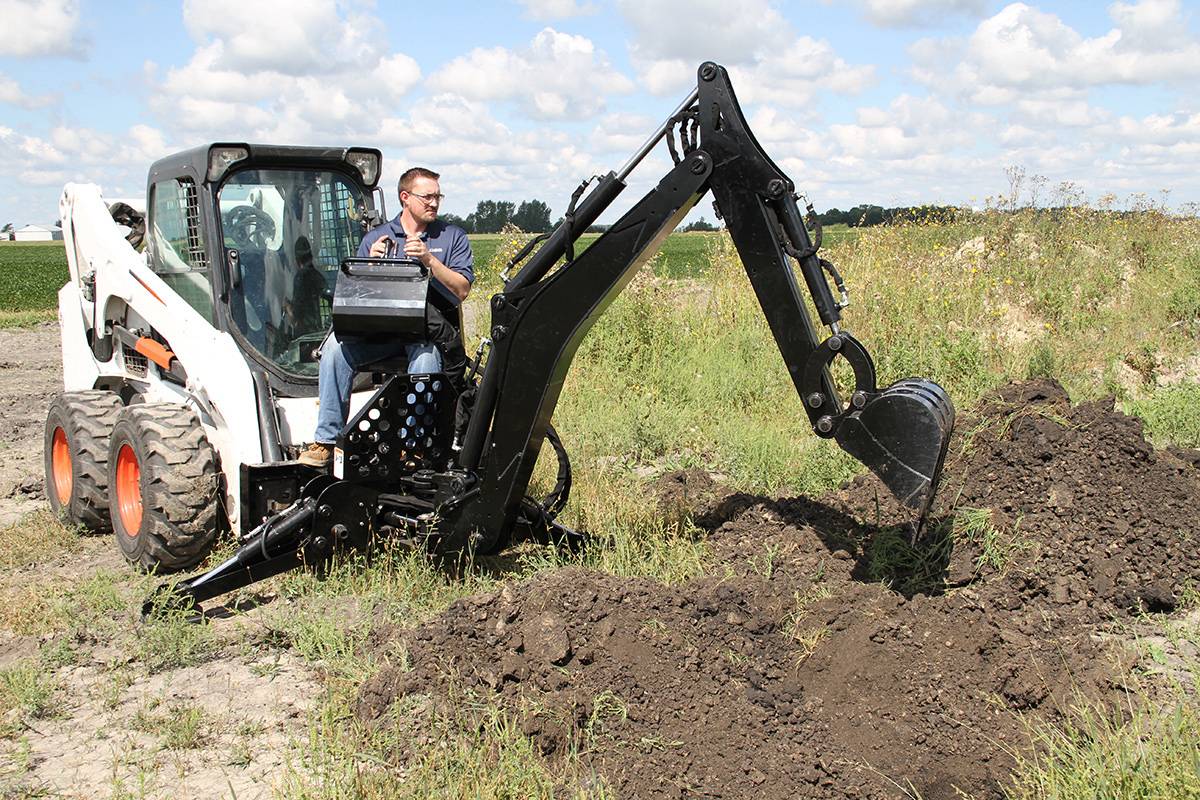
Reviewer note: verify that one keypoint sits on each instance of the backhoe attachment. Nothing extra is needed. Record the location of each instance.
(451, 471)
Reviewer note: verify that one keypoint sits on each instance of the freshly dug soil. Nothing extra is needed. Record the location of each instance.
(825, 656)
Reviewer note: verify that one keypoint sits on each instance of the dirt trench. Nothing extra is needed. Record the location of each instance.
(826, 659)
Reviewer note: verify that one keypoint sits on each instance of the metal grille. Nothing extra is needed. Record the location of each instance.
(197, 257)
(335, 225)
(336, 231)
(135, 362)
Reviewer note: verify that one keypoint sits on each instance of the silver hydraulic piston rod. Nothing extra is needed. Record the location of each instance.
(656, 137)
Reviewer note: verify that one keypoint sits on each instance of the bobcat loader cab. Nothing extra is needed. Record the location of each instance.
(197, 358)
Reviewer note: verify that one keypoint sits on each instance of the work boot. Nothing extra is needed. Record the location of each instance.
(317, 454)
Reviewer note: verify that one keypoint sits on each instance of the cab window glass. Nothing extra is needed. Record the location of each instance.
(176, 249)
(290, 229)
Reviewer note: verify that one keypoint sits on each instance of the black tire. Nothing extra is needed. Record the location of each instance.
(164, 479)
(76, 470)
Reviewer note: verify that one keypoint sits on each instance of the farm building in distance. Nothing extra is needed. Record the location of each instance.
(37, 233)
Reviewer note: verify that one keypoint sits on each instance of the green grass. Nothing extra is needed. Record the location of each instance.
(1153, 755)
(31, 273)
(473, 751)
(180, 726)
(27, 692)
(1171, 415)
(170, 639)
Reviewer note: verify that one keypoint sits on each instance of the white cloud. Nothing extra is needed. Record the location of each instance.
(317, 73)
(621, 133)
(902, 13)
(768, 60)
(666, 56)
(545, 10)
(909, 128)
(38, 151)
(1058, 112)
(395, 75)
(292, 37)
(794, 76)
(12, 93)
(39, 165)
(40, 28)
(478, 156)
(1022, 47)
(1165, 146)
(1018, 135)
(558, 76)
(698, 30)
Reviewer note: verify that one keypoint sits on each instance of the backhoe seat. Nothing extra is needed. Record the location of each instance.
(399, 364)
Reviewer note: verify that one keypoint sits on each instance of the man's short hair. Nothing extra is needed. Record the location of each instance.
(410, 175)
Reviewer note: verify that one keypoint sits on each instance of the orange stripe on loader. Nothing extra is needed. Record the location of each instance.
(146, 286)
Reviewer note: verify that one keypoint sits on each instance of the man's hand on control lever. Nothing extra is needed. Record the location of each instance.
(380, 247)
(414, 248)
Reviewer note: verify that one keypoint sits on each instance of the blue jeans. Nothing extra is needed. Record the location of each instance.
(339, 362)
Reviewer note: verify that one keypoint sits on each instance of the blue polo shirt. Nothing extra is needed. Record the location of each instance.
(448, 243)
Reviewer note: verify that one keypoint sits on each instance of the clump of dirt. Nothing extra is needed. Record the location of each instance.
(826, 656)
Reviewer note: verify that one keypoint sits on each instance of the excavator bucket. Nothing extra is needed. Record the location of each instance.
(901, 434)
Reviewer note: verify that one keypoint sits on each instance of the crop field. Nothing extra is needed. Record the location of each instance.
(31, 273)
(753, 617)
(683, 254)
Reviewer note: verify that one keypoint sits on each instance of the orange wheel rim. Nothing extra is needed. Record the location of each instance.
(60, 467)
(129, 490)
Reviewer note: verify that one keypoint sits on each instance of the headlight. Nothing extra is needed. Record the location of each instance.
(222, 157)
(367, 164)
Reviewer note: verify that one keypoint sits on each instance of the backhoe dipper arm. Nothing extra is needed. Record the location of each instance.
(540, 319)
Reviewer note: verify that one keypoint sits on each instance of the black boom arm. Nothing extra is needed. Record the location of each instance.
(540, 319)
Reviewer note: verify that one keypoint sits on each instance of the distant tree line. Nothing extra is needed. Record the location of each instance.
(533, 216)
(700, 225)
(867, 215)
(490, 216)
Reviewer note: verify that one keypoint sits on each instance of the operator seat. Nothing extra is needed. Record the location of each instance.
(396, 365)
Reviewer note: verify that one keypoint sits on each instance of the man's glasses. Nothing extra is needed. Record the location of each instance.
(429, 199)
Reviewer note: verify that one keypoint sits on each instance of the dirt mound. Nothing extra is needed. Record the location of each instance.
(827, 657)
(1082, 513)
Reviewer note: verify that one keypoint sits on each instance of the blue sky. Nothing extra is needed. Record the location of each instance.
(885, 101)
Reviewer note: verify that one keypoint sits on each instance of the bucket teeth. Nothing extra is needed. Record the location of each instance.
(901, 435)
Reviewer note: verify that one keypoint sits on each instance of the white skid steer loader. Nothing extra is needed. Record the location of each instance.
(190, 368)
